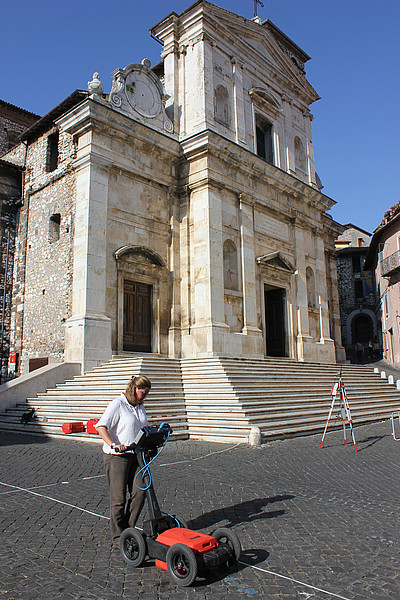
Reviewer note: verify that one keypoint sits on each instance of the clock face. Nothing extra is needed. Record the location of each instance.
(143, 95)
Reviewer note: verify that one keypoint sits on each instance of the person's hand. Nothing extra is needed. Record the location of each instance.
(119, 447)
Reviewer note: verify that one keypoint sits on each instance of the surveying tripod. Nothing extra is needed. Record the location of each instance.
(344, 415)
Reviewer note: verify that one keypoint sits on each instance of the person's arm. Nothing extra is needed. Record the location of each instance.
(105, 436)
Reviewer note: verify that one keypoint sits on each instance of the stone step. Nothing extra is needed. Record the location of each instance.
(56, 431)
(216, 398)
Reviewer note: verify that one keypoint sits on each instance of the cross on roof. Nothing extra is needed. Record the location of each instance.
(256, 3)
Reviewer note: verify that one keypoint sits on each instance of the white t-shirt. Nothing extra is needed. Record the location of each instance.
(123, 422)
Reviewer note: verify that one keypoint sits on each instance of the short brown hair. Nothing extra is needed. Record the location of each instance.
(141, 382)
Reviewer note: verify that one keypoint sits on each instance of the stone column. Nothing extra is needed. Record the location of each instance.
(238, 102)
(88, 330)
(248, 266)
(322, 298)
(307, 118)
(303, 336)
(174, 275)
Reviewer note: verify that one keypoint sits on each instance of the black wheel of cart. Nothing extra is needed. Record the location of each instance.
(182, 564)
(228, 537)
(133, 547)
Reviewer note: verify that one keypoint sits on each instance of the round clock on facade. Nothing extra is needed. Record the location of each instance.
(142, 94)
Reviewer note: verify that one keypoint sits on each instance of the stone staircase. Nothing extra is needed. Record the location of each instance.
(226, 397)
(216, 399)
(87, 396)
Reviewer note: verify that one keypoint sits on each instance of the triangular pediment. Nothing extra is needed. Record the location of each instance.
(276, 260)
(262, 41)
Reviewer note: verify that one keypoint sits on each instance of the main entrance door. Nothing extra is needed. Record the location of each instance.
(275, 322)
(137, 317)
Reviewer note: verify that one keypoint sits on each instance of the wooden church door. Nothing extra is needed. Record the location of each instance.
(275, 322)
(137, 317)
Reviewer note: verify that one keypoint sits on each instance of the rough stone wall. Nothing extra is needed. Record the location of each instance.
(43, 272)
(13, 121)
(10, 193)
(347, 297)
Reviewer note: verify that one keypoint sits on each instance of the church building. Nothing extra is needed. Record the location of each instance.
(179, 213)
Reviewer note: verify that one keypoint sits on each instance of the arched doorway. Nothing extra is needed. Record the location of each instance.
(362, 329)
(142, 300)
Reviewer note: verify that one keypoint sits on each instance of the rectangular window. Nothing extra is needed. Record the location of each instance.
(386, 305)
(358, 290)
(52, 152)
(264, 139)
(356, 264)
(380, 252)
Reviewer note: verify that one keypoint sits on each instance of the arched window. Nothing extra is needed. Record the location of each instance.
(310, 287)
(299, 155)
(222, 105)
(54, 228)
(231, 279)
(264, 139)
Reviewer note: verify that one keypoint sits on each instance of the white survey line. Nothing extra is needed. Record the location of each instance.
(40, 487)
(89, 512)
(179, 462)
(294, 580)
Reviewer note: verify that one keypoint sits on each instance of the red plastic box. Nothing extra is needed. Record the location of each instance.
(90, 426)
(197, 541)
(73, 427)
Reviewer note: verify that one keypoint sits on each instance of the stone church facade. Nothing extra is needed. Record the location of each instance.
(180, 213)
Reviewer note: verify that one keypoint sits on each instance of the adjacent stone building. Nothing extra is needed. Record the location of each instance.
(357, 296)
(384, 258)
(180, 213)
(13, 121)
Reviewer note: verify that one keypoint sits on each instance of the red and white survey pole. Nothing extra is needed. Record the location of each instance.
(338, 392)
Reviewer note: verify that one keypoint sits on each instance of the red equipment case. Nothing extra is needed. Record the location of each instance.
(197, 541)
(90, 426)
(73, 427)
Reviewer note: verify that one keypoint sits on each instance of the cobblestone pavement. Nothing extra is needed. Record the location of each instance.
(314, 523)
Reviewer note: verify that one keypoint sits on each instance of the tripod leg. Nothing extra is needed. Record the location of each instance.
(347, 407)
(327, 422)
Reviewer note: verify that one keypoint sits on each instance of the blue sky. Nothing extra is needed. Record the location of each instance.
(49, 49)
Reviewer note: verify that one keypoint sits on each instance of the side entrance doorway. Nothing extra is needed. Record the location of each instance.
(275, 321)
(137, 317)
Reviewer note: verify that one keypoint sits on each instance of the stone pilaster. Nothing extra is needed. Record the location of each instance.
(248, 266)
(238, 102)
(206, 272)
(174, 272)
(303, 336)
(88, 330)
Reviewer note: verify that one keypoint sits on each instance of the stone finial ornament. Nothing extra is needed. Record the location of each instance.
(95, 86)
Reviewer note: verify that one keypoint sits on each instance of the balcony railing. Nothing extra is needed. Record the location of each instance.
(391, 264)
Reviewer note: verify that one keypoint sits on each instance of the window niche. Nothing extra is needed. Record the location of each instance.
(52, 152)
(310, 279)
(231, 275)
(300, 155)
(221, 108)
(264, 145)
(54, 228)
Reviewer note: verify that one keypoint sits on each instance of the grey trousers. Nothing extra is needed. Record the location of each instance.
(120, 472)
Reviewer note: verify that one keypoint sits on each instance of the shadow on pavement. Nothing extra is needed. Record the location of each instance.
(370, 441)
(251, 557)
(248, 511)
(17, 438)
